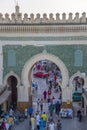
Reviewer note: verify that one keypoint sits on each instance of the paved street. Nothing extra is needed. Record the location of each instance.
(67, 123)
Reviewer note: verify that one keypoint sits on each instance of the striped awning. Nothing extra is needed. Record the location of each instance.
(4, 96)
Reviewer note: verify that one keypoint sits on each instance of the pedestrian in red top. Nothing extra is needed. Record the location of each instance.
(3, 124)
(38, 67)
(49, 94)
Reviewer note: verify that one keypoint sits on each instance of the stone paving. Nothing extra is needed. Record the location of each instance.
(67, 123)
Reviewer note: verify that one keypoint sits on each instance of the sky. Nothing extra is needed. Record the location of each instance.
(44, 6)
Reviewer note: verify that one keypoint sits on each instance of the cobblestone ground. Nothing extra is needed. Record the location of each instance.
(67, 123)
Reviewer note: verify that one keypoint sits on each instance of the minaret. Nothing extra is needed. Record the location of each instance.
(16, 11)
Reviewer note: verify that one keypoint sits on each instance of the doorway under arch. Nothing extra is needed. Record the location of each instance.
(12, 85)
(26, 73)
(76, 75)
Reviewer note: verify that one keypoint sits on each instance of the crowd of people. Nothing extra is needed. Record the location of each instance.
(53, 81)
(6, 120)
(11, 117)
(53, 86)
(41, 121)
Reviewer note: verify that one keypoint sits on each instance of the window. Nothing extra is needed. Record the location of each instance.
(11, 58)
(78, 58)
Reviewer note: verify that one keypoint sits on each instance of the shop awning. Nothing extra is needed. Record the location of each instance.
(4, 96)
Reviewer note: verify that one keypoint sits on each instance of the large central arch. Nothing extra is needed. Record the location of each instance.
(26, 80)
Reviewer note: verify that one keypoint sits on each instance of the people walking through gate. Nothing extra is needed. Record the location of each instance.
(38, 104)
(44, 116)
(51, 108)
(41, 123)
(49, 95)
(36, 85)
(37, 121)
(32, 122)
(7, 126)
(41, 105)
(25, 113)
(59, 126)
(54, 103)
(79, 115)
(11, 112)
(3, 124)
(57, 106)
(33, 86)
(45, 95)
(30, 111)
(51, 125)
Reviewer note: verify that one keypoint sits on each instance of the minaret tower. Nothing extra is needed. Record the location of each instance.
(17, 8)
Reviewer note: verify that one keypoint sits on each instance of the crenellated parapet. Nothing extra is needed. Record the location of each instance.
(18, 22)
(38, 19)
(18, 18)
(83, 18)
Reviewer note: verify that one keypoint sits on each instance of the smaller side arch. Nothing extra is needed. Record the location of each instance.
(75, 75)
(11, 73)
